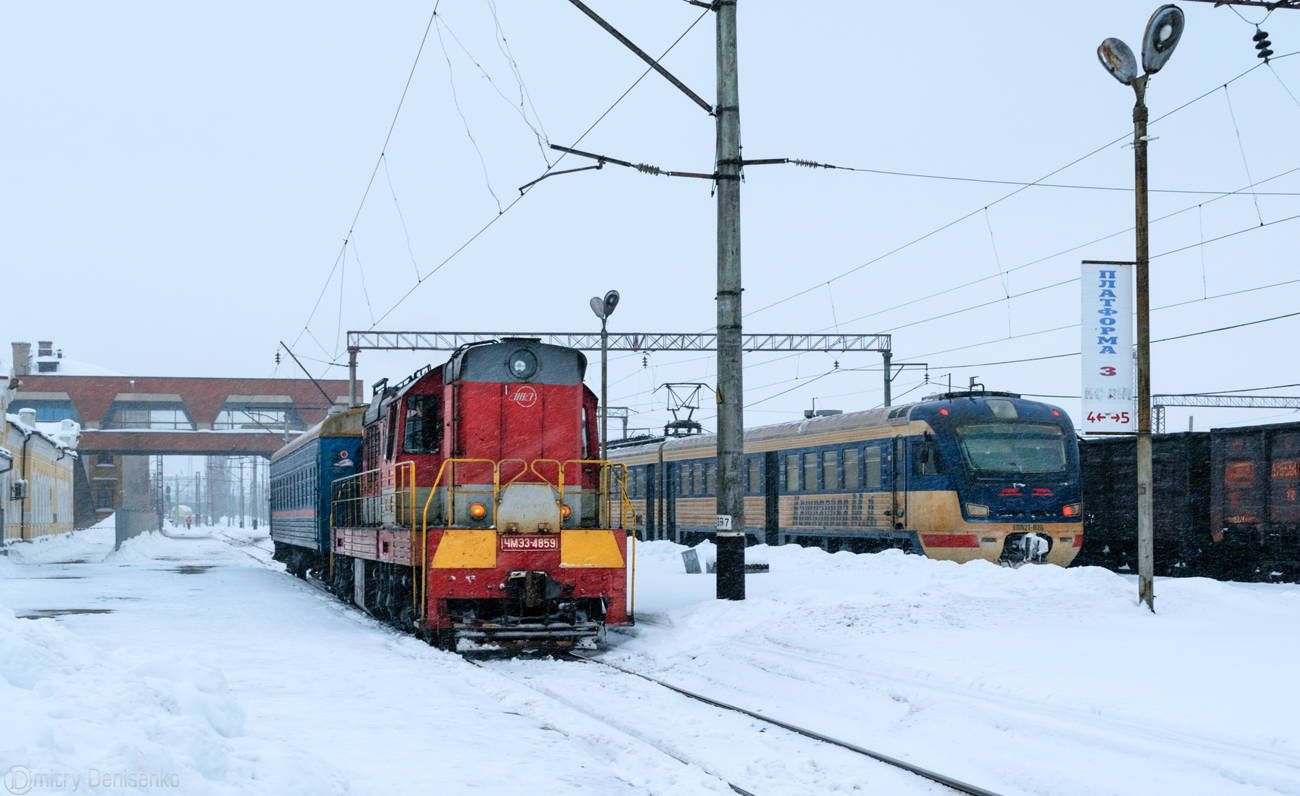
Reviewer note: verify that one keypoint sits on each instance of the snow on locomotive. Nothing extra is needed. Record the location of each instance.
(477, 516)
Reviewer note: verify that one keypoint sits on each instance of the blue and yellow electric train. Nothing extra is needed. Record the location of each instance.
(957, 476)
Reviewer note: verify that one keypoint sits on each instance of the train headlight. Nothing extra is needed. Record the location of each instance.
(478, 511)
(1072, 510)
(976, 510)
(565, 511)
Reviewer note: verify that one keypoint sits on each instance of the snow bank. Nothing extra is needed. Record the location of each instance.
(76, 714)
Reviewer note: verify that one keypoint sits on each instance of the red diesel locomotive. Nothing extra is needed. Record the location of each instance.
(481, 517)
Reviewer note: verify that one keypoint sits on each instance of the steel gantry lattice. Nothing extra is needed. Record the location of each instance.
(626, 341)
(1229, 401)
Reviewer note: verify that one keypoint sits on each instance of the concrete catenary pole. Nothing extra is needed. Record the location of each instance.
(731, 393)
(352, 385)
(888, 356)
(1146, 541)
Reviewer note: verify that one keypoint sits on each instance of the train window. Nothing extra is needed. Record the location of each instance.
(792, 472)
(423, 424)
(708, 478)
(684, 475)
(810, 472)
(851, 468)
(871, 467)
(640, 482)
(926, 458)
(586, 442)
(1001, 448)
(830, 471)
(391, 438)
(755, 482)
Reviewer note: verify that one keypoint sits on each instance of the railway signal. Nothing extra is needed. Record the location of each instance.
(1164, 30)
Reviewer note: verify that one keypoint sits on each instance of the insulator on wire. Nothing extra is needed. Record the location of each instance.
(810, 164)
(1262, 44)
(646, 168)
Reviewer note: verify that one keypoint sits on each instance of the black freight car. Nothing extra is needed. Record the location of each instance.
(1255, 510)
(1180, 466)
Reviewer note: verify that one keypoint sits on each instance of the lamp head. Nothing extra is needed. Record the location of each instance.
(611, 301)
(1119, 60)
(1163, 32)
(598, 307)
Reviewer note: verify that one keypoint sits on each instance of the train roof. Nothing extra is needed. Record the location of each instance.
(848, 421)
(343, 424)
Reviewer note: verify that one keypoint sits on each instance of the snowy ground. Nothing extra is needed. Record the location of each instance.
(206, 666)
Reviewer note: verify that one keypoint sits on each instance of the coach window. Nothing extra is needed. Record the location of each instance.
(423, 424)
(810, 472)
(684, 478)
(851, 468)
(871, 467)
(755, 482)
(830, 470)
(708, 478)
(792, 472)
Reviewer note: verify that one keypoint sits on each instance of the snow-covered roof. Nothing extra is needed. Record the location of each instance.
(64, 434)
(71, 367)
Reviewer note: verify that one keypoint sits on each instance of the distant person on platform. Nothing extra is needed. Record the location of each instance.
(188, 521)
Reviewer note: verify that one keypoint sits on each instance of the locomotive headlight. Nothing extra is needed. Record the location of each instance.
(565, 511)
(976, 510)
(478, 511)
(1072, 510)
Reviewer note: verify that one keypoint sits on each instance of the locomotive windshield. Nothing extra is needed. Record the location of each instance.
(1001, 448)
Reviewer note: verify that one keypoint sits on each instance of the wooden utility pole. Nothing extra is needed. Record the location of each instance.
(731, 392)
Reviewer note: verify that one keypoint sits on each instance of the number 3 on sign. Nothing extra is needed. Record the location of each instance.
(1108, 371)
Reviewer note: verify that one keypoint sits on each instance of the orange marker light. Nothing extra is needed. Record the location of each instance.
(478, 511)
(943, 411)
(565, 511)
(1058, 414)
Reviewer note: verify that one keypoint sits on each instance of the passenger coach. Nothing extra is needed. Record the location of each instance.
(957, 476)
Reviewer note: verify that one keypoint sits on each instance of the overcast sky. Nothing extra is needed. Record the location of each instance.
(178, 181)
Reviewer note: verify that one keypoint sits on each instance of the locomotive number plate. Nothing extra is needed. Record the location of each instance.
(530, 542)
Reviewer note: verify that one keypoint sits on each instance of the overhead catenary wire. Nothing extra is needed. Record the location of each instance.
(1003, 198)
(522, 194)
(455, 101)
(1242, 147)
(360, 205)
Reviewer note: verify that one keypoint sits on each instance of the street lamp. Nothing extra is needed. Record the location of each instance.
(603, 309)
(1164, 29)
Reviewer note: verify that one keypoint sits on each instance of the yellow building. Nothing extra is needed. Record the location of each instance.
(36, 471)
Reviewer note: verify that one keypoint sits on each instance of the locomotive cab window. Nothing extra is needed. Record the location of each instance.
(994, 449)
(926, 458)
(423, 424)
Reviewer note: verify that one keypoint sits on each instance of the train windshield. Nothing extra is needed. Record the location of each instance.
(1001, 448)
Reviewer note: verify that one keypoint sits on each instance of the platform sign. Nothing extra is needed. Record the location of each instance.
(1106, 324)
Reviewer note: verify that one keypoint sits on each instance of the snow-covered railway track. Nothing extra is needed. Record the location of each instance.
(729, 743)
(955, 784)
(1099, 729)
